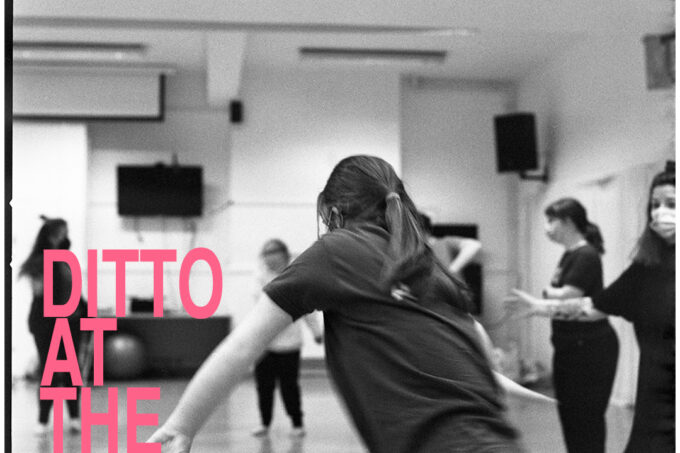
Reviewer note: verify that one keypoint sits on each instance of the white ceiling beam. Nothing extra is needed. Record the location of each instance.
(225, 52)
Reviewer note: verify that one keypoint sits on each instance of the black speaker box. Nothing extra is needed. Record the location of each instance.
(516, 142)
(660, 60)
(236, 112)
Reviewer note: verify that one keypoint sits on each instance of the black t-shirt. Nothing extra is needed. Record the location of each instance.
(581, 268)
(413, 375)
(645, 296)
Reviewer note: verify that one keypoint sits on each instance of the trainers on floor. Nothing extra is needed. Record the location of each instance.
(73, 425)
(261, 431)
(41, 428)
(298, 431)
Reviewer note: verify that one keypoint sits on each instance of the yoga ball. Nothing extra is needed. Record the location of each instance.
(124, 356)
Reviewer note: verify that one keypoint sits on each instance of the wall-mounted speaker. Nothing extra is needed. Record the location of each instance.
(516, 142)
(236, 112)
(660, 60)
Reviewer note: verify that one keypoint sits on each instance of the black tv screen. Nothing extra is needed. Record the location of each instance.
(160, 190)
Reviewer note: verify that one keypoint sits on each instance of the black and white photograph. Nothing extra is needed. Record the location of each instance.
(442, 226)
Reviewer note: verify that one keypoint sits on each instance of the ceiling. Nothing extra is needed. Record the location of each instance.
(488, 40)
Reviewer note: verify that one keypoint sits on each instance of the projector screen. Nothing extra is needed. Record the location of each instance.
(62, 94)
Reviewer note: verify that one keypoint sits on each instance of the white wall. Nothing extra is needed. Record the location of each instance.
(197, 138)
(297, 126)
(449, 163)
(262, 176)
(599, 126)
(49, 172)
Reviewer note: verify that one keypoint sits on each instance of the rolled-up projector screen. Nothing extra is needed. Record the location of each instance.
(87, 95)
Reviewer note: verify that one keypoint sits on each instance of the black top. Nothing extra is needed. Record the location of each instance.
(413, 374)
(645, 296)
(61, 291)
(581, 268)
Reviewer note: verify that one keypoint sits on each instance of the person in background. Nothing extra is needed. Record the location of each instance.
(402, 349)
(281, 361)
(52, 235)
(643, 294)
(454, 252)
(585, 357)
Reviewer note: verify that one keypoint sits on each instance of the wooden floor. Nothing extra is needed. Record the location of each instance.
(328, 428)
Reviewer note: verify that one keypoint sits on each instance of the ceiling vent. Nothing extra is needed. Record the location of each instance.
(55, 51)
(372, 56)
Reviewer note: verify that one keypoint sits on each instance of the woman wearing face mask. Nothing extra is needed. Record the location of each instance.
(52, 235)
(644, 294)
(584, 361)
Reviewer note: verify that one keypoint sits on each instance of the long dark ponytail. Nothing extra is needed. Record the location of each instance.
(366, 188)
(33, 266)
(572, 209)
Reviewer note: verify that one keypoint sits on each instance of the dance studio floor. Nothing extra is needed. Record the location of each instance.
(328, 429)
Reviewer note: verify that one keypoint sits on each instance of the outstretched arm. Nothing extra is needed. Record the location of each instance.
(312, 321)
(511, 387)
(469, 248)
(220, 373)
(579, 308)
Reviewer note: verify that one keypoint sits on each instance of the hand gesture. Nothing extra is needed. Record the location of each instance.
(171, 441)
(521, 303)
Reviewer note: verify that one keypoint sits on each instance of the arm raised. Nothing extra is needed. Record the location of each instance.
(220, 373)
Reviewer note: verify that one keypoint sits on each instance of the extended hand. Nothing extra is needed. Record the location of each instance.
(171, 441)
(522, 304)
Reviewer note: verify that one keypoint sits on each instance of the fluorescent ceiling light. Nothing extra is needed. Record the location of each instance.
(77, 51)
(372, 55)
(461, 32)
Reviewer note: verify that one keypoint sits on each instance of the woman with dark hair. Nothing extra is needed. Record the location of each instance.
(400, 346)
(584, 361)
(644, 294)
(52, 235)
(281, 361)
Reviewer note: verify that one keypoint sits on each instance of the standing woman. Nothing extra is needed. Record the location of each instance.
(643, 294)
(281, 361)
(402, 350)
(584, 361)
(52, 235)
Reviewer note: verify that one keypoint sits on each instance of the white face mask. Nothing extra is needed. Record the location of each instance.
(663, 222)
(663, 214)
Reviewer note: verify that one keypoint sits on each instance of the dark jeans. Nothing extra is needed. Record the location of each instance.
(584, 366)
(42, 330)
(283, 367)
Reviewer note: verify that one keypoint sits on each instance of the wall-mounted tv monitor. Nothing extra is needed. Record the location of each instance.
(160, 190)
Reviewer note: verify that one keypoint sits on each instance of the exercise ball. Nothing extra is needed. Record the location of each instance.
(124, 356)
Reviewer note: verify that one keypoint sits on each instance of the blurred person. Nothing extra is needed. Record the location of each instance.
(52, 235)
(404, 353)
(281, 361)
(585, 357)
(454, 252)
(643, 294)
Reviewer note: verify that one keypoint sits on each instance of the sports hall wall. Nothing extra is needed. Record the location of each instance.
(262, 175)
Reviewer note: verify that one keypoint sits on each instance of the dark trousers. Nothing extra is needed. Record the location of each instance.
(42, 334)
(584, 367)
(283, 367)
